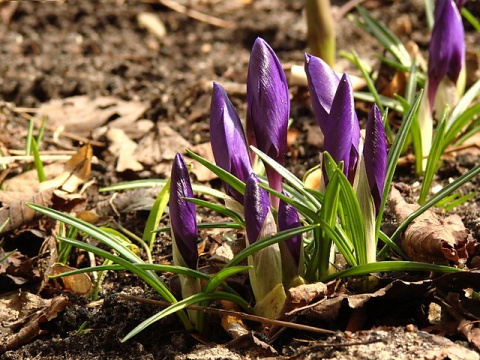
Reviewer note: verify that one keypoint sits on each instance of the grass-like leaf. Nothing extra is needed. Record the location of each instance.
(384, 36)
(128, 258)
(287, 175)
(370, 83)
(388, 266)
(471, 18)
(433, 161)
(156, 214)
(194, 299)
(231, 180)
(385, 101)
(219, 209)
(38, 161)
(260, 244)
(139, 184)
(154, 267)
(394, 154)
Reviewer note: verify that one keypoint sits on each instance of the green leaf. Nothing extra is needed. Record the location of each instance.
(128, 259)
(387, 266)
(385, 101)
(231, 180)
(287, 175)
(219, 209)
(156, 214)
(154, 267)
(471, 18)
(216, 280)
(394, 155)
(38, 161)
(260, 244)
(139, 184)
(194, 299)
(433, 161)
(458, 124)
(303, 210)
(370, 83)
(384, 36)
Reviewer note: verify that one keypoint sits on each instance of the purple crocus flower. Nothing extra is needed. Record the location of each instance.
(228, 140)
(268, 107)
(266, 272)
(288, 219)
(322, 84)
(334, 109)
(257, 208)
(182, 213)
(447, 46)
(343, 136)
(375, 155)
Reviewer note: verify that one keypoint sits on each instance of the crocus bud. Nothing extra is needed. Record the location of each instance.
(333, 105)
(446, 70)
(446, 54)
(266, 272)
(375, 155)
(322, 85)
(228, 140)
(370, 178)
(291, 249)
(268, 108)
(343, 136)
(184, 227)
(182, 214)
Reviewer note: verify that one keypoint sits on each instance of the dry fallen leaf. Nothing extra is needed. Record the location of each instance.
(201, 172)
(79, 283)
(75, 172)
(28, 311)
(81, 114)
(18, 213)
(124, 148)
(429, 238)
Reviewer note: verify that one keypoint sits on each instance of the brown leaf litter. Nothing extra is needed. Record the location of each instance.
(429, 238)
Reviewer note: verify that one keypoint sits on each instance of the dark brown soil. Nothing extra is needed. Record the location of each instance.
(58, 49)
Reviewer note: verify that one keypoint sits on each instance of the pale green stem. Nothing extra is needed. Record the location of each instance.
(321, 30)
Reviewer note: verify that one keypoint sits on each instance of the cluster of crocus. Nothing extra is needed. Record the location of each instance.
(364, 159)
(446, 68)
(280, 266)
(267, 117)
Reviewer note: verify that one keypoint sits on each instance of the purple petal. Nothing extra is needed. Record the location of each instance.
(268, 103)
(447, 46)
(322, 84)
(182, 213)
(228, 140)
(375, 155)
(288, 219)
(343, 136)
(256, 207)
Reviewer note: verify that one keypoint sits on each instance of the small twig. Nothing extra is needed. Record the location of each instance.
(239, 315)
(182, 9)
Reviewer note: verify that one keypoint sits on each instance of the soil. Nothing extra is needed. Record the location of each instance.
(60, 49)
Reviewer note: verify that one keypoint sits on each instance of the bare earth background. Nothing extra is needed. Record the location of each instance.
(98, 73)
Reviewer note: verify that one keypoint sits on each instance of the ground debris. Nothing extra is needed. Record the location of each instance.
(27, 312)
(383, 343)
(429, 238)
